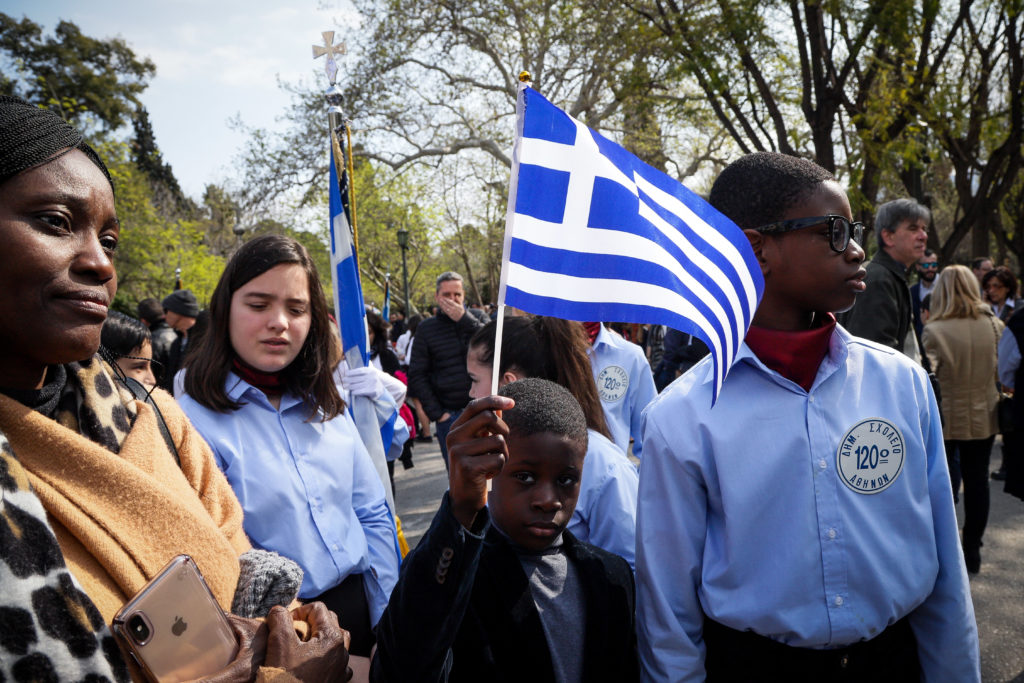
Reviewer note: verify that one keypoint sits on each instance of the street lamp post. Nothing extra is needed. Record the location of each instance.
(239, 231)
(403, 243)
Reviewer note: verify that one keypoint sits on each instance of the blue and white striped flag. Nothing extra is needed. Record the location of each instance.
(594, 233)
(376, 424)
(348, 290)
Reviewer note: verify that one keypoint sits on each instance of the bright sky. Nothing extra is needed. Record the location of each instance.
(214, 59)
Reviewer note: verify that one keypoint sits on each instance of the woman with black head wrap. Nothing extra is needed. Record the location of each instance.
(94, 501)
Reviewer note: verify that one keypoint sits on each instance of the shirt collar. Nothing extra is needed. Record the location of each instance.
(796, 354)
(237, 389)
(837, 353)
(603, 337)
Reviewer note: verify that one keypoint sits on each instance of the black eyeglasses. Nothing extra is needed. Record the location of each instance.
(840, 229)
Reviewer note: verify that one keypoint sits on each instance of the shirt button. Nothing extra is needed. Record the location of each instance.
(810, 399)
(839, 601)
(335, 546)
(822, 464)
(831, 533)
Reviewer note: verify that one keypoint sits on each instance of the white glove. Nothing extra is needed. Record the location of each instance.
(362, 382)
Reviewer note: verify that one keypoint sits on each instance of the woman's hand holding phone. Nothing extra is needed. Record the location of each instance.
(252, 650)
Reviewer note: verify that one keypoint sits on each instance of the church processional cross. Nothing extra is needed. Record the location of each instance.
(330, 49)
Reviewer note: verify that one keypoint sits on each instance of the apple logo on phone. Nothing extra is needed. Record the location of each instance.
(179, 626)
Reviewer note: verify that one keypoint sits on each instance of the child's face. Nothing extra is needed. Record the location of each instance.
(803, 275)
(479, 374)
(270, 317)
(534, 497)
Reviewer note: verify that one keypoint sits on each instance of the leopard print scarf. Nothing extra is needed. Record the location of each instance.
(96, 406)
(49, 629)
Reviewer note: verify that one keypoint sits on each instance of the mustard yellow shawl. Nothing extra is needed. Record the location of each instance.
(121, 510)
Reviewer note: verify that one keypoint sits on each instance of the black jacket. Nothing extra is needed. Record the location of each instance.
(463, 606)
(883, 313)
(1013, 443)
(437, 370)
(388, 360)
(163, 338)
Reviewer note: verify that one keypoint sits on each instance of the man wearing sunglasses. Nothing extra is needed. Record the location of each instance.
(927, 270)
(884, 312)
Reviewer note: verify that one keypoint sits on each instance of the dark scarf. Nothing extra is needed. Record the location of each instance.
(794, 355)
(43, 400)
(270, 383)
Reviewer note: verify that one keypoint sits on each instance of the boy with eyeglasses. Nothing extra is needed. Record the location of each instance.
(802, 528)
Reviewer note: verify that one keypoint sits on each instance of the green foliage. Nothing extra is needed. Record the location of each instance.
(385, 203)
(148, 159)
(153, 246)
(430, 87)
(86, 80)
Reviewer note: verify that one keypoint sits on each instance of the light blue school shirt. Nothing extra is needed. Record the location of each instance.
(624, 383)
(1009, 358)
(309, 490)
(743, 514)
(605, 513)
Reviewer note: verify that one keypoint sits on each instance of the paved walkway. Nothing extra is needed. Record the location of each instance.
(998, 591)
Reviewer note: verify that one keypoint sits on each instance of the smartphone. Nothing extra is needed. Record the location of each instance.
(173, 628)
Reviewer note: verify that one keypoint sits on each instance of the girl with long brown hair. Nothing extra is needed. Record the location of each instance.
(259, 388)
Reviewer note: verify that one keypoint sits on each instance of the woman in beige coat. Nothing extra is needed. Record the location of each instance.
(960, 340)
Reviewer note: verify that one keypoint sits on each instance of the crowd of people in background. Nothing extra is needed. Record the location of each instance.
(631, 527)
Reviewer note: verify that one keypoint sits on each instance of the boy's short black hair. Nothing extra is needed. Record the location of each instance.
(543, 406)
(759, 188)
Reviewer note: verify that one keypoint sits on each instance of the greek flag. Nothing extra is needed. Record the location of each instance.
(593, 233)
(374, 421)
(348, 290)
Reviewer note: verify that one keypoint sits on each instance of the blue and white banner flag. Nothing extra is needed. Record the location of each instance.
(348, 290)
(595, 234)
(386, 311)
(375, 430)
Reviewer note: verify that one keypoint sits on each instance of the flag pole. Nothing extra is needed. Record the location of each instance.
(524, 83)
(363, 409)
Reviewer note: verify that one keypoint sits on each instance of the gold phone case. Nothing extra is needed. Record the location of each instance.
(173, 628)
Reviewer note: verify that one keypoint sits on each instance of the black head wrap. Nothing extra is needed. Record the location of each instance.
(31, 136)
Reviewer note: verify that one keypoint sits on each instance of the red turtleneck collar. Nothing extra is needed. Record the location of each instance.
(270, 383)
(794, 355)
(593, 329)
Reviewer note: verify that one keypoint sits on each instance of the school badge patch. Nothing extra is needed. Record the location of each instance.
(870, 456)
(612, 383)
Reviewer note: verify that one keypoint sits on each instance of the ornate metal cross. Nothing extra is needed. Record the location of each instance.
(329, 49)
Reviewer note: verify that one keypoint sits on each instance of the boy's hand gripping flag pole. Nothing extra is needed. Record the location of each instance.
(349, 308)
(595, 234)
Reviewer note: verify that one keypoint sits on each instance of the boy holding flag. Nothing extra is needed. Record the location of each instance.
(802, 528)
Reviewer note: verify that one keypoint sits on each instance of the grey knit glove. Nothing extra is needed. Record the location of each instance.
(265, 579)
